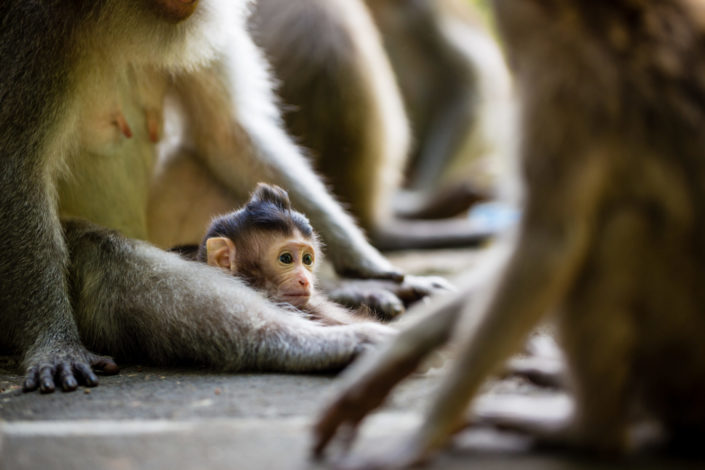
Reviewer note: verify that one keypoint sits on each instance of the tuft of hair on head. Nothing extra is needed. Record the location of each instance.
(270, 193)
(269, 209)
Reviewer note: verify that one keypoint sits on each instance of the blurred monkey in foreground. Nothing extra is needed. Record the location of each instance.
(339, 87)
(274, 249)
(613, 156)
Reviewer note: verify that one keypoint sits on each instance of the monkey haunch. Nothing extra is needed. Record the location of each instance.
(273, 248)
(612, 237)
(82, 88)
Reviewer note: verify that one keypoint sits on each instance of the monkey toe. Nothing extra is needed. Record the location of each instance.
(105, 365)
(415, 288)
(384, 304)
(69, 384)
(30, 382)
(85, 374)
(46, 379)
(64, 376)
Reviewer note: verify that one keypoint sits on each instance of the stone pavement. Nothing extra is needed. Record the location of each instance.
(148, 418)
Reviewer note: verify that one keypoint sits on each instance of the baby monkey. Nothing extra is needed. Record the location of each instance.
(273, 248)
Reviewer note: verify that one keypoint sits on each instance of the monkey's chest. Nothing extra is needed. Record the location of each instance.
(111, 165)
(120, 112)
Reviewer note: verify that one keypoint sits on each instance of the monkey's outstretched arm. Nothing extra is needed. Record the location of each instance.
(368, 384)
(161, 309)
(233, 102)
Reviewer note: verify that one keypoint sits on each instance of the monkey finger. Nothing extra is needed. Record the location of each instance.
(347, 437)
(385, 304)
(351, 407)
(383, 269)
(416, 287)
(375, 380)
(394, 275)
(64, 376)
(46, 379)
(105, 365)
(394, 308)
(342, 413)
(30, 382)
(85, 374)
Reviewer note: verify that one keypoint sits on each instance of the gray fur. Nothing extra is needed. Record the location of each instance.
(192, 313)
(35, 314)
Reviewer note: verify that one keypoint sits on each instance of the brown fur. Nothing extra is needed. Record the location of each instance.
(611, 239)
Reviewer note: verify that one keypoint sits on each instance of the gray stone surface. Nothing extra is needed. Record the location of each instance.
(148, 418)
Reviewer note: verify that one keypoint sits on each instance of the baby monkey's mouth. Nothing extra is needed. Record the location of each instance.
(296, 299)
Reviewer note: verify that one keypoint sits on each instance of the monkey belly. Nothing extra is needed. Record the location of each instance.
(109, 185)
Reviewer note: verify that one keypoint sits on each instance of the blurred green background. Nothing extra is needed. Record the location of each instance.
(483, 7)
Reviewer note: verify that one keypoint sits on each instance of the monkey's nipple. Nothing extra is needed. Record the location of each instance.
(120, 122)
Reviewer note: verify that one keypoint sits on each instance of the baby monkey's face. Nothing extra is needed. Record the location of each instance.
(291, 262)
(281, 265)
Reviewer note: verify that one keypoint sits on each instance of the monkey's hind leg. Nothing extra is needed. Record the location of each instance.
(144, 304)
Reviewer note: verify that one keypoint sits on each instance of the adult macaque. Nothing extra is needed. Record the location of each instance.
(613, 159)
(82, 87)
(274, 249)
(344, 105)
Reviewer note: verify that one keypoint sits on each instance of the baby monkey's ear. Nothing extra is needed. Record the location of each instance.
(221, 253)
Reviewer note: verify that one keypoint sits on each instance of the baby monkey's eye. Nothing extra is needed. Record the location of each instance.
(286, 258)
(308, 259)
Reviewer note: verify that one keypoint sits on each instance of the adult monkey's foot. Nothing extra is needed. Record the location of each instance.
(66, 367)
